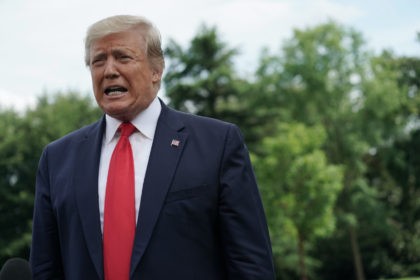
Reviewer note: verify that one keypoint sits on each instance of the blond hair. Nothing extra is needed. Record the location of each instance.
(120, 23)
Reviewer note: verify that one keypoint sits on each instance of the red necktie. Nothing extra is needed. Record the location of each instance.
(119, 216)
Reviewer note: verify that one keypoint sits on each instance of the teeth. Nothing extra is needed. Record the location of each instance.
(115, 90)
(114, 93)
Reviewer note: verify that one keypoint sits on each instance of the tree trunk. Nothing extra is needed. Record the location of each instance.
(358, 265)
(301, 253)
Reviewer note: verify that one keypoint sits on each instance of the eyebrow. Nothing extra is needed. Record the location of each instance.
(118, 52)
(114, 52)
(97, 56)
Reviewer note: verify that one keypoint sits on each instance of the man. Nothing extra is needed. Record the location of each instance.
(146, 192)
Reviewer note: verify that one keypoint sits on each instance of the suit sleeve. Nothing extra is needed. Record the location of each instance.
(45, 257)
(243, 227)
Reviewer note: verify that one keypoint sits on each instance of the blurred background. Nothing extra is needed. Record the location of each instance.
(326, 93)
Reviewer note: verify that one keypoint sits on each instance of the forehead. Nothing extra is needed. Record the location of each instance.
(131, 39)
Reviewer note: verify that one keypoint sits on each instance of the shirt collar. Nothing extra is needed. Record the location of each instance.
(145, 122)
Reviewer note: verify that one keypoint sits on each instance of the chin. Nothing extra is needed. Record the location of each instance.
(114, 111)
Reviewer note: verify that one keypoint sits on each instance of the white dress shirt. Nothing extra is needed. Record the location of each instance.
(141, 145)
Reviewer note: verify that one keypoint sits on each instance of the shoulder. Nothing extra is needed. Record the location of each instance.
(190, 120)
(204, 129)
(78, 135)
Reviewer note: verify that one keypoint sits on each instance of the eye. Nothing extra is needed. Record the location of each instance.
(124, 58)
(95, 61)
(98, 61)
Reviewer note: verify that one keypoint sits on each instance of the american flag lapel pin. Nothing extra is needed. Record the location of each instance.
(175, 143)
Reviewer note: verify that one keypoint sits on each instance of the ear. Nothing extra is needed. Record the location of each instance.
(156, 76)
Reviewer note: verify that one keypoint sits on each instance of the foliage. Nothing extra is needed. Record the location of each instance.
(16, 197)
(201, 79)
(332, 128)
(299, 188)
(395, 172)
(22, 140)
(324, 77)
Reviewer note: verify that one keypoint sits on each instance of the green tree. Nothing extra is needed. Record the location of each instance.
(325, 76)
(16, 197)
(60, 113)
(299, 187)
(409, 80)
(394, 169)
(201, 79)
(22, 140)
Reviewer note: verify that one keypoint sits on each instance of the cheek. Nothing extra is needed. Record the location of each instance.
(95, 81)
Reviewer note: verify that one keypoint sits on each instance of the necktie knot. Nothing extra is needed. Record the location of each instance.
(127, 128)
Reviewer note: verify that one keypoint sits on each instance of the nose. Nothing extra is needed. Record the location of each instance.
(110, 71)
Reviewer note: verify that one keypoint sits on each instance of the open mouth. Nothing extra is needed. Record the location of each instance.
(115, 90)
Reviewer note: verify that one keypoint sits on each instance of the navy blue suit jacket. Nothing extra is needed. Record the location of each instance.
(200, 217)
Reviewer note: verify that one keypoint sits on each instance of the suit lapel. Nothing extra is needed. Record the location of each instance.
(86, 184)
(167, 148)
